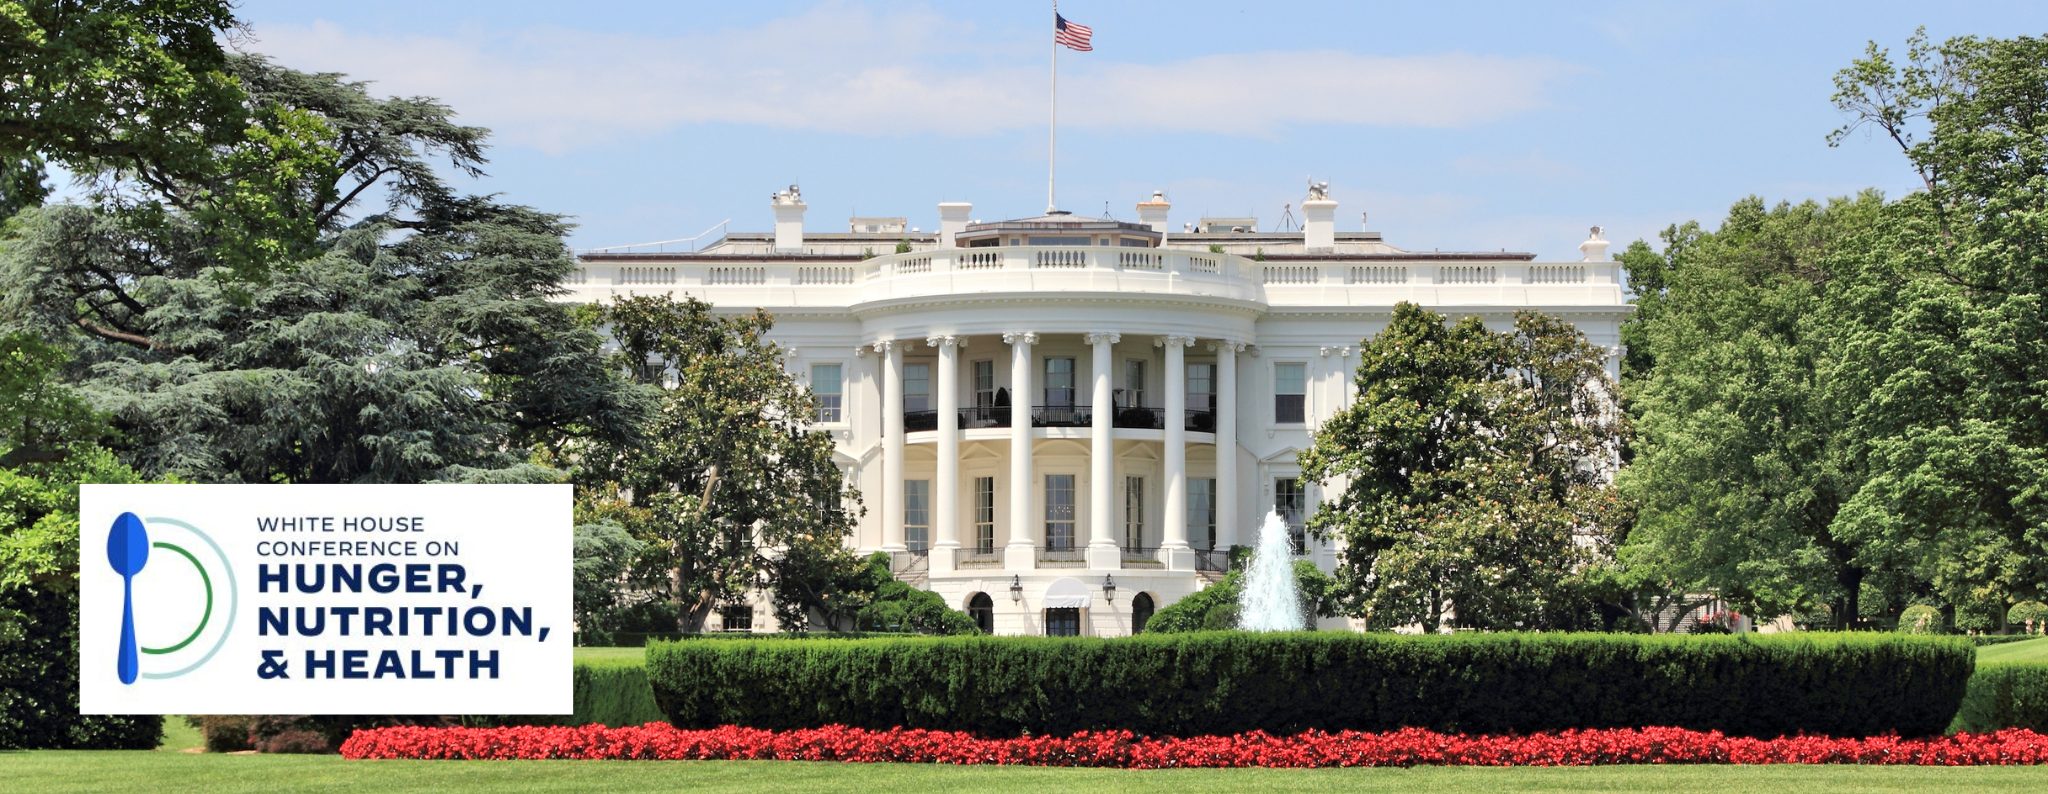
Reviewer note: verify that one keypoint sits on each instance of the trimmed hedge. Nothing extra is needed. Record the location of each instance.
(611, 692)
(2005, 696)
(1226, 683)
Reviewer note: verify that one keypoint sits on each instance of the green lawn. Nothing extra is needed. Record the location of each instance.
(610, 656)
(2028, 651)
(51, 772)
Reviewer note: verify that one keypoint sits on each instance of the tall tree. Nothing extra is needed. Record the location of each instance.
(98, 83)
(729, 474)
(1470, 473)
(1739, 466)
(1946, 335)
(418, 343)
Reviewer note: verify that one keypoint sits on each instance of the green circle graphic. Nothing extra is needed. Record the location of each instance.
(206, 582)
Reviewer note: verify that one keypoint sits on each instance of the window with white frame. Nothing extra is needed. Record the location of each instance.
(1201, 386)
(1202, 512)
(917, 387)
(829, 384)
(1290, 501)
(984, 515)
(917, 514)
(1290, 392)
(1134, 513)
(1134, 383)
(1059, 512)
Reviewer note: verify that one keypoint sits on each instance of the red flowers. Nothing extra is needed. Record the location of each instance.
(1408, 747)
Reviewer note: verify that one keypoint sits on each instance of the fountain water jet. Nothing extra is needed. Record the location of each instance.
(1268, 600)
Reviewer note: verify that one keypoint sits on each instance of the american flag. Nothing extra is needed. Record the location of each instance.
(1072, 34)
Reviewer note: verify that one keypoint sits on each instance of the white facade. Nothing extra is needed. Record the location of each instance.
(1171, 379)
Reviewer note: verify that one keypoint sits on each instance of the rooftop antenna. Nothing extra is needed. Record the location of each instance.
(1105, 211)
(1287, 222)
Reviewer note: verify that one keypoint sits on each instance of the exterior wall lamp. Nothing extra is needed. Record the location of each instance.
(1017, 588)
(1108, 588)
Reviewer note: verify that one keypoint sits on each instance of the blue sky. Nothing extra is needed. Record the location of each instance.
(1462, 126)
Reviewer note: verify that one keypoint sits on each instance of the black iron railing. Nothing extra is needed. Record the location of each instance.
(1217, 560)
(1062, 556)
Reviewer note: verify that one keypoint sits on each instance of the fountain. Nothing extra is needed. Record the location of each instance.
(1268, 600)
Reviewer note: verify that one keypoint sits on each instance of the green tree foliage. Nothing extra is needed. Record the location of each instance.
(727, 470)
(895, 607)
(604, 553)
(97, 82)
(48, 445)
(416, 344)
(1849, 402)
(1469, 472)
(1945, 344)
(1739, 468)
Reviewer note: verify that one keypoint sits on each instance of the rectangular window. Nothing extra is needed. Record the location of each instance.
(1202, 512)
(1134, 384)
(917, 387)
(830, 388)
(1290, 393)
(917, 514)
(1202, 387)
(736, 617)
(1059, 382)
(1134, 512)
(984, 515)
(1059, 512)
(1063, 622)
(1290, 503)
(984, 384)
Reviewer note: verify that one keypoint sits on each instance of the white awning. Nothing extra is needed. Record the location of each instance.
(1066, 592)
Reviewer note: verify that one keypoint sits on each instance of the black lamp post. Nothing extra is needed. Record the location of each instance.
(1017, 588)
(1109, 588)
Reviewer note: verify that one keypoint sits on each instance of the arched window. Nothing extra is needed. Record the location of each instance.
(1141, 612)
(984, 612)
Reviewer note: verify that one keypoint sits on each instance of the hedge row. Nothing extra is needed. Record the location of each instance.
(1227, 683)
(608, 693)
(2000, 695)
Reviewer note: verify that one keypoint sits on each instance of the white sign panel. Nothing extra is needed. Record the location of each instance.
(325, 599)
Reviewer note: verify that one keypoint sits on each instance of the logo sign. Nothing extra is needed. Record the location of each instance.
(325, 599)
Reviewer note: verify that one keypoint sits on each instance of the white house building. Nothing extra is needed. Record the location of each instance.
(1060, 424)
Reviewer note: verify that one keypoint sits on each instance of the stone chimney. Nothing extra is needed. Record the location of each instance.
(1594, 249)
(1152, 212)
(789, 219)
(952, 221)
(1319, 218)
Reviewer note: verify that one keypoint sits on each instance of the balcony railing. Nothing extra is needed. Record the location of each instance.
(1062, 557)
(1216, 560)
(1130, 418)
(1141, 556)
(973, 557)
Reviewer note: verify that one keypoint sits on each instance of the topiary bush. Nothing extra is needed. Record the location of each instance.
(1922, 619)
(2028, 616)
(1232, 682)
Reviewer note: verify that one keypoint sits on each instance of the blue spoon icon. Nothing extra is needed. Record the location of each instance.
(128, 551)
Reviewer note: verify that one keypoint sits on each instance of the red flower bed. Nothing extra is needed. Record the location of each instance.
(1409, 747)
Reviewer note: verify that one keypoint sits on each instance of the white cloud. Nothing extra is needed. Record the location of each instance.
(844, 69)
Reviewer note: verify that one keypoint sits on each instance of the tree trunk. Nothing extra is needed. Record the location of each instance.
(1847, 606)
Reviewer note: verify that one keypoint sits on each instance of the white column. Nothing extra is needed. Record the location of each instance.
(1175, 537)
(1227, 519)
(1018, 554)
(892, 445)
(1102, 545)
(946, 504)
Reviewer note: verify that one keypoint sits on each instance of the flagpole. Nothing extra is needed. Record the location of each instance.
(1052, 127)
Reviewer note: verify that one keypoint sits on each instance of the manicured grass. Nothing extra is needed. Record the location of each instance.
(51, 772)
(179, 736)
(2031, 651)
(611, 656)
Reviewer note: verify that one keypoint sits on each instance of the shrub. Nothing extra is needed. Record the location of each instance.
(2010, 695)
(2028, 616)
(1220, 683)
(1922, 619)
(1214, 608)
